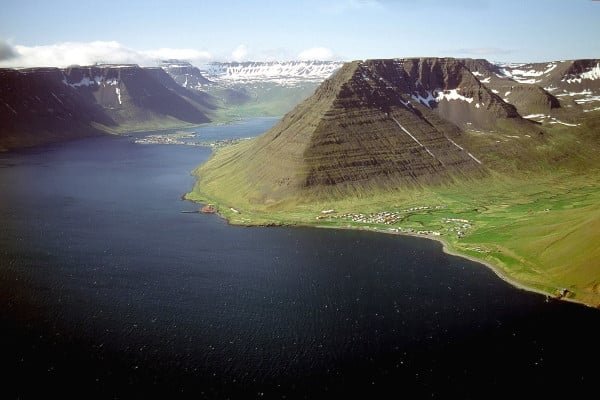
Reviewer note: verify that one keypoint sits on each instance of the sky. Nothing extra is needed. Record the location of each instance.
(67, 32)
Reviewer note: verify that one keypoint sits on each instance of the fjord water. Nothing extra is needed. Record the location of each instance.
(108, 290)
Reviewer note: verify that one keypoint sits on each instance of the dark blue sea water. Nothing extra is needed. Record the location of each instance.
(107, 290)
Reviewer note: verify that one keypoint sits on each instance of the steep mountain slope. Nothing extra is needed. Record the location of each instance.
(380, 124)
(42, 105)
(131, 94)
(185, 74)
(200, 99)
(36, 107)
(447, 86)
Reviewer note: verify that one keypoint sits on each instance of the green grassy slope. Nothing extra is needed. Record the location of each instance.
(535, 218)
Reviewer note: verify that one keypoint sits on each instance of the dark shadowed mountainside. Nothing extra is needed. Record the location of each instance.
(43, 105)
(378, 124)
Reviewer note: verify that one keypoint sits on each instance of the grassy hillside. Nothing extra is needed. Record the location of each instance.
(535, 218)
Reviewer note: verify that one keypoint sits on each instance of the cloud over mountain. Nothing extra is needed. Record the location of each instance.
(240, 53)
(112, 52)
(86, 53)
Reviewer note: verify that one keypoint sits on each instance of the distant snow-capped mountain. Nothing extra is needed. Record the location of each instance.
(285, 73)
(253, 88)
(185, 74)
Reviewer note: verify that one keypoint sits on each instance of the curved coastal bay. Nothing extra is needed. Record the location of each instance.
(111, 291)
(537, 231)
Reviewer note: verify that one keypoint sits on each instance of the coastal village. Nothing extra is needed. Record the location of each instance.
(395, 221)
(187, 139)
(451, 226)
(170, 138)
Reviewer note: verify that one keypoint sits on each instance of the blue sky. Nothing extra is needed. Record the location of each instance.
(66, 32)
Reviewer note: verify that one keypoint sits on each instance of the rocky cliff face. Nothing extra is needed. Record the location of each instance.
(132, 93)
(443, 85)
(42, 105)
(374, 124)
(37, 107)
(545, 92)
(185, 74)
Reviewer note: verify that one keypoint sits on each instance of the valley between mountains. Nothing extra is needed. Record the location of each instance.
(499, 162)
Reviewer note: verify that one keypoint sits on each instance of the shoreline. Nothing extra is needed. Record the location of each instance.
(446, 248)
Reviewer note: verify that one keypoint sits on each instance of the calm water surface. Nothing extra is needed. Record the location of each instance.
(108, 290)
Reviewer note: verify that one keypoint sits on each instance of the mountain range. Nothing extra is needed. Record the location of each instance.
(245, 89)
(389, 123)
(42, 105)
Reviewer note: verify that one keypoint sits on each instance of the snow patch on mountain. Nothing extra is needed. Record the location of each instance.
(592, 74)
(535, 116)
(95, 81)
(439, 95)
(423, 100)
(571, 94)
(551, 120)
(452, 95)
(527, 75)
(583, 97)
(587, 99)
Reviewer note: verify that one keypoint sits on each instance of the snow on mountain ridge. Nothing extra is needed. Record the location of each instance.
(527, 75)
(287, 73)
(591, 74)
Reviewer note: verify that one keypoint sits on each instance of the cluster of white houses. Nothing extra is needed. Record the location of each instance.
(457, 226)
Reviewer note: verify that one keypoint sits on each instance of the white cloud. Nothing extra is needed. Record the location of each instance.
(70, 53)
(316, 53)
(87, 53)
(240, 53)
